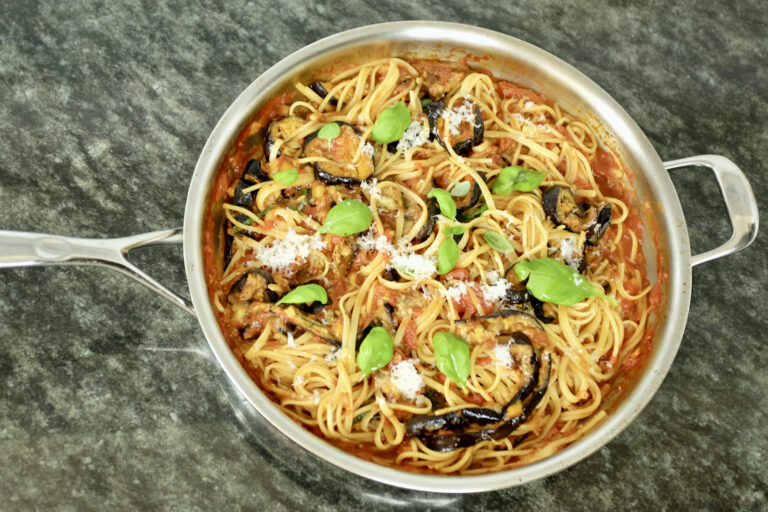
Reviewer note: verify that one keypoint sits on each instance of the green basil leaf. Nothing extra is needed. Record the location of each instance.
(329, 131)
(447, 255)
(468, 216)
(551, 281)
(452, 357)
(287, 178)
(461, 189)
(444, 199)
(375, 351)
(305, 293)
(517, 178)
(391, 124)
(498, 242)
(347, 218)
(453, 230)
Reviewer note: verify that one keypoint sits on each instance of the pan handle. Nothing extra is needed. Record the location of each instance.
(22, 249)
(739, 200)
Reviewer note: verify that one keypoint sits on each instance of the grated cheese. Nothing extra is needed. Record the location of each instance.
(417, 265)
(368, 149)
(492, 276)
(569, 251)
(494, 292)
(332, 356)
(281, 254)
(370, 188)
(369, 242)
(464, 114)
(291, 342)
(455, 292)
(502, 355)
(406, 378)
(416, 135)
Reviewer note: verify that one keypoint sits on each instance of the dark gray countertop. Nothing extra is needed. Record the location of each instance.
(107, 397)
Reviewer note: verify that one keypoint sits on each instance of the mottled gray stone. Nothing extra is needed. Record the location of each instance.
(107, 397)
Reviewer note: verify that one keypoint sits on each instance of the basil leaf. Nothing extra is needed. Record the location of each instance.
(375, 351)
(329, 131)
(288, 177)
(444, 199)
(452, 357)
(461, 189)
(517, 178)
(551, 281)
(447, 255)
(347, 218)
(498, 242)
(304, 294)
(453, 230)
(391, 124)
(468, 216)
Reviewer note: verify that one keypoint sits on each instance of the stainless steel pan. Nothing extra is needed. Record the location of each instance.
(508, 58)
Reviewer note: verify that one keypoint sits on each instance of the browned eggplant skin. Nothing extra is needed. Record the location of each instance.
(332, 174)
(288, 125)
(463, 147)
(499, 424)
(319, 88)
(560, 206)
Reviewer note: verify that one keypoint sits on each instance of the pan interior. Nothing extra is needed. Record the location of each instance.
(505, 58)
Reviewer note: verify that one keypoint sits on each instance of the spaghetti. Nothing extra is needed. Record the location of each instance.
(408, 357)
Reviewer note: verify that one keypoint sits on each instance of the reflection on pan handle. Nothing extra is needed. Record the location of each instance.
(739, 200)
(22, 249)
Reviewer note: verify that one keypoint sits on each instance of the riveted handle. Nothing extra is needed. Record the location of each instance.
(22, 249)
(739, 200)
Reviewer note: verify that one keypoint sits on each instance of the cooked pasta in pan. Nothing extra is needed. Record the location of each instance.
(429, 267)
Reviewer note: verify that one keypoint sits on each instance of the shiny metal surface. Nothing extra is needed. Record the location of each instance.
(22, 249)
(739, 200)
(508, 58)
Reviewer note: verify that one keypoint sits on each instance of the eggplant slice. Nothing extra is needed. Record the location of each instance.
(254, 172)
(281, 129)
(505, 322)
(561, 208)
(596, 230)
(321, 90)
(498, 424)
(468, 200)
(433, 211)
(340, 169)
(469, 133)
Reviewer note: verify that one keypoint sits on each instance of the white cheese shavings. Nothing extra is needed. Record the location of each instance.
(333, 355)
(455, 292)
(464, 114)
(417, 134)
(298, 380)
(368, 149)
(529, 104)
(369, 242)
(417, 265)
(492, 276)
(370, 188)
(407, 378)
(281, 254)
(291, 342)
(569, 251)
(502, 355)
(494, 292)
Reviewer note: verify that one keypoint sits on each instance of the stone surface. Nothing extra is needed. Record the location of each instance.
(108, 399)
